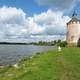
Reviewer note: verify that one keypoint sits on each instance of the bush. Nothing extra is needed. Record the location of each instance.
(78, 43)
(62, 44)
(38, 53)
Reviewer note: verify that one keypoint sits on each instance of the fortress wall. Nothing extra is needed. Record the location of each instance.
(73, 32)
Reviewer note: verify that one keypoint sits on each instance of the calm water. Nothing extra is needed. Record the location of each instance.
(10, 54)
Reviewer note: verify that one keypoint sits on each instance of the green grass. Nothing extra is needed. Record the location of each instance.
(51, 65)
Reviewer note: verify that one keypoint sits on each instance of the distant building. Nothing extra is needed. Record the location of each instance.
(73, 30)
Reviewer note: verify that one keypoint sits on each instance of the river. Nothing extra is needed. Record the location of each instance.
(10, 54)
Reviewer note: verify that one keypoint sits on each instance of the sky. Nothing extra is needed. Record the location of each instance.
(35, 20)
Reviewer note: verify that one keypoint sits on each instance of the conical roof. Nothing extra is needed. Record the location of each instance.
(74, 18)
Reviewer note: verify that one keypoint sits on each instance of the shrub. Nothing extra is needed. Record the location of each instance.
(78, 43)
(62, 44)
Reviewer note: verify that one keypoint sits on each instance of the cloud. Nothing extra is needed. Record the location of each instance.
(60, 4)
(53, 22)
(34, 27)
(15, 24)
(11, 15)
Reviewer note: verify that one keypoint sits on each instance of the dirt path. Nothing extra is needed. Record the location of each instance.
(67, 73)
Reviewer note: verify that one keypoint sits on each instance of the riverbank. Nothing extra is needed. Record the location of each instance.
(51, 65)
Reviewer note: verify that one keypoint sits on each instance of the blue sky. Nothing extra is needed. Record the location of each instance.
(35, 19)
(31, 6)
(28, 6)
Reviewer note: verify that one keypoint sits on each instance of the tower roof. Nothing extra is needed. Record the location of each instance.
(74, 18)
(74, 14)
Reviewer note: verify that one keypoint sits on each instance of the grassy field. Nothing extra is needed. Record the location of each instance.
(51, 65)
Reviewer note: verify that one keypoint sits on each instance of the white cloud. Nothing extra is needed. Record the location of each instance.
(34, 27)
(14, 23)
(11, 15)
(53, 22)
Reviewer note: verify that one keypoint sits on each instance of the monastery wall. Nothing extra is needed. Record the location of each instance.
(73, 32)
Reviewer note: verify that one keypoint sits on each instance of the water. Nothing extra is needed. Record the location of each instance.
(10, 54)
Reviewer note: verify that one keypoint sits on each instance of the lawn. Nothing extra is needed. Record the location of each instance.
(51, 65)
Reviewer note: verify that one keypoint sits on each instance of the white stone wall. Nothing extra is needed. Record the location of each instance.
(73, 32)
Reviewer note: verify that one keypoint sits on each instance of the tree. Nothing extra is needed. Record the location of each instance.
(78, 43)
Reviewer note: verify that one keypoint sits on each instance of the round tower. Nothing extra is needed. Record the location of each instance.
(73, 30)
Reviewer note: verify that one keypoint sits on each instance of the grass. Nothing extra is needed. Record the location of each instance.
(51, 65)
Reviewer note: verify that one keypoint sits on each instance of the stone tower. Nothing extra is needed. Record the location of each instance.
(73, 30)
